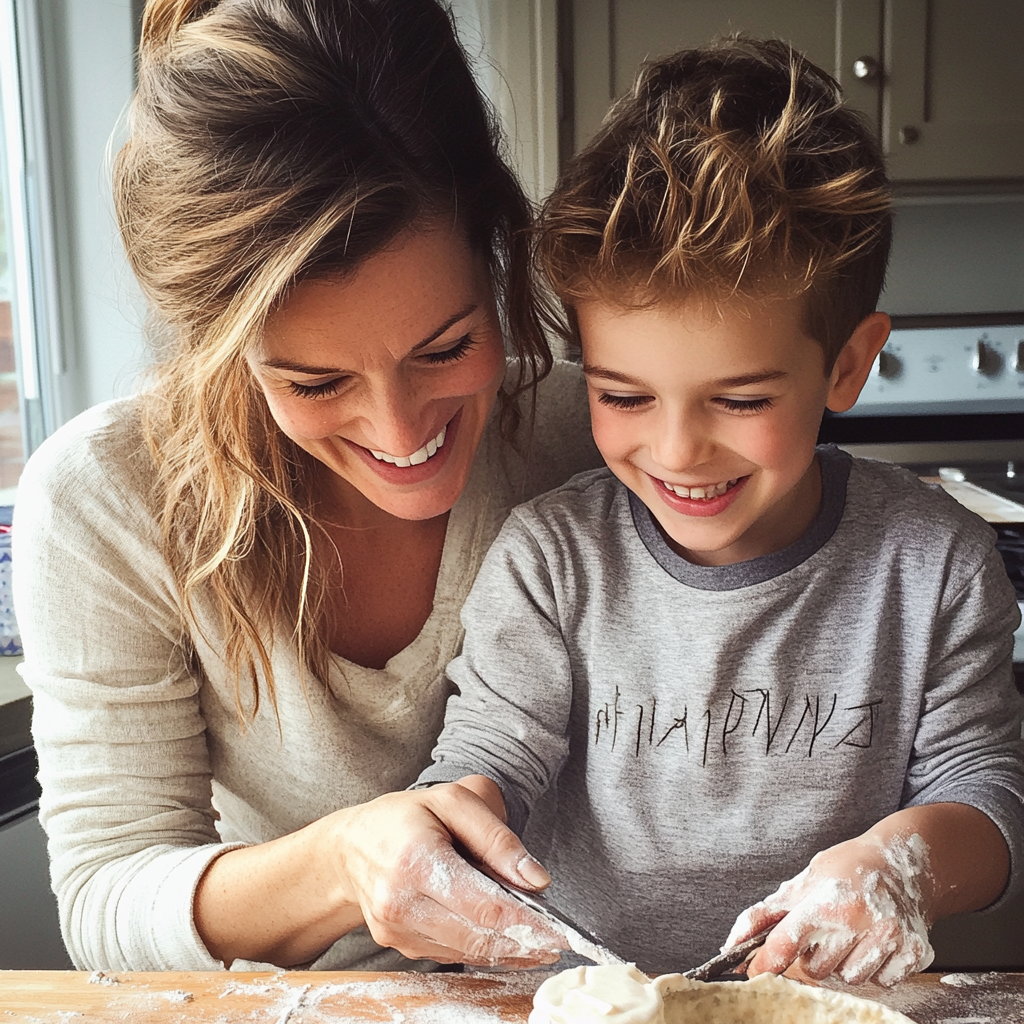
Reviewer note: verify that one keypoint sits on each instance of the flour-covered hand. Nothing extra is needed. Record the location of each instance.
(857, 911)
(418, 895)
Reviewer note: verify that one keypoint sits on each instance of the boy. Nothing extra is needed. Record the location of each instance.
(687, 674)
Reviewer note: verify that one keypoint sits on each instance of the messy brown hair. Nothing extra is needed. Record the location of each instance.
(270, 142)
(728, 172)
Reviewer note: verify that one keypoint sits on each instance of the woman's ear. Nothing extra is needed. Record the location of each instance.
(855, 360)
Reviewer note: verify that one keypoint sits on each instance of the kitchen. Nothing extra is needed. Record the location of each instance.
(960, 224)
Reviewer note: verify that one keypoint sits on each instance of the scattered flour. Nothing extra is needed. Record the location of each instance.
(178, 996)
(102, 978)
(965, 980)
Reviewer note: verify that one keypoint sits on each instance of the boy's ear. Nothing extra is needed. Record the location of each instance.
(855, 360)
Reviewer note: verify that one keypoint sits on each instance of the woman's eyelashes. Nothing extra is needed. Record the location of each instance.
(453, 352)
(315, 390)
(328, 388)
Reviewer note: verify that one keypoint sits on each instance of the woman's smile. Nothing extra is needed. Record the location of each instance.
(390, 389)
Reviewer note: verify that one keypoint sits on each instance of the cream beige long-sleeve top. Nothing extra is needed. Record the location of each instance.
(146, 774)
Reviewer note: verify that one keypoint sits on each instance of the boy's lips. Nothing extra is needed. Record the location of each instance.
(720, 496)
(387, 469)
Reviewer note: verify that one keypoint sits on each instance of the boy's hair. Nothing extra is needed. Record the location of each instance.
(729, 172)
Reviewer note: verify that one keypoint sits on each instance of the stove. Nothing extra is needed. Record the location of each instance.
(945, 398)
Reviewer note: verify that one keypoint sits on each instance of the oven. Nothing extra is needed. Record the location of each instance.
(945, 398)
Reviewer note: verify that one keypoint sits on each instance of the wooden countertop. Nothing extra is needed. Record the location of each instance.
(68, 997)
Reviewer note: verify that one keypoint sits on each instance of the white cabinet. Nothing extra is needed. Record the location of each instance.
(942, 81)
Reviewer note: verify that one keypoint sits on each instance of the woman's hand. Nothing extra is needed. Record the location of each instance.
(397, 861)
(857, 910)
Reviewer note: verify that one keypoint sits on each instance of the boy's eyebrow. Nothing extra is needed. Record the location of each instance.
(764, 377)
(322, 371)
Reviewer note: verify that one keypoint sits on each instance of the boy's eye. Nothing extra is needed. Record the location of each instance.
(741, 406)
(315, 390)
(624, 401)
(456, 351)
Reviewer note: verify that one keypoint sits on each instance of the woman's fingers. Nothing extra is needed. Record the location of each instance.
(485, 836)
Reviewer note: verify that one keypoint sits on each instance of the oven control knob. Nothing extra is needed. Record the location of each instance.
(985, 359)
(887, 365)
(1018, 357)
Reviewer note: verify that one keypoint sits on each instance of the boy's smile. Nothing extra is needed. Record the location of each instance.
(711, 416)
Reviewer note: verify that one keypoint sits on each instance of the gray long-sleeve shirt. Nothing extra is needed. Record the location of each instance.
(683, 738)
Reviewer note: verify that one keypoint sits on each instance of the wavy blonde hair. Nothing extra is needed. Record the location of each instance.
(732, 171)
(273, 141)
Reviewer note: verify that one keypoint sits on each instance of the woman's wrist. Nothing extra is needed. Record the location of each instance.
(280, 902)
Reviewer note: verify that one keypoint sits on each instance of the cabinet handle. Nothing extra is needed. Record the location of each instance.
(865, 69)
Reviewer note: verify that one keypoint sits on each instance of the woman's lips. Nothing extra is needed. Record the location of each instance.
(393, 474)
(701, 507)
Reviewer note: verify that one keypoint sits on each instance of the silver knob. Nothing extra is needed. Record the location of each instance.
(1011, 469)
(1017, 362)
(887, 365)
(865, 69)
(984, 359)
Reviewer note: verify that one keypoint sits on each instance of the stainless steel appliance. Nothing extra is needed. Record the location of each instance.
(946, 399)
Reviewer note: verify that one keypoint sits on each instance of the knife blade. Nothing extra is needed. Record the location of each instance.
(579, 939)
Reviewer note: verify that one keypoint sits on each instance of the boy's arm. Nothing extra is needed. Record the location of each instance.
(509, 720)
(862, 908)
(851, 912)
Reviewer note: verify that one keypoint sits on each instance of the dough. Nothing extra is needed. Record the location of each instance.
(612, 994)
(622, 995)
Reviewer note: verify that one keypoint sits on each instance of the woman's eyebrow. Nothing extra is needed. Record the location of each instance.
(322, 371)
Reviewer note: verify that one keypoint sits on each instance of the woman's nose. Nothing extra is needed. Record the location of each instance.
(395, 420)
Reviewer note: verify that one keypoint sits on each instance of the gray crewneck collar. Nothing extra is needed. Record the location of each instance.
(835, 472)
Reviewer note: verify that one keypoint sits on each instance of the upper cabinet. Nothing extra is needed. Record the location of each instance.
(942, 81)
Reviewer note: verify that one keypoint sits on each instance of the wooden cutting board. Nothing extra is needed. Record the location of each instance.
(59, 997)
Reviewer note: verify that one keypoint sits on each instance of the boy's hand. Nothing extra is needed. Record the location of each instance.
(858, 911)
(420, 897)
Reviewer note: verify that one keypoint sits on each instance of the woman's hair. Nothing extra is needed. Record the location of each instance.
(729, 172)
(274, 141)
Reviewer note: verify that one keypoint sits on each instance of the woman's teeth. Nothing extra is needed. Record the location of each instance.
(417, 458)
(705, 493)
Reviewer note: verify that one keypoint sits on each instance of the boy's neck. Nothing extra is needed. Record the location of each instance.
(784, 524)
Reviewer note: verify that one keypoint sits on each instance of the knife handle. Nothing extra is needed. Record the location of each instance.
(728, 959)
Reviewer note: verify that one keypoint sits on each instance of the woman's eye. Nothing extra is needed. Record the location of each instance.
(315, 390)
(738, 405)
(624, 401)
(449, 355)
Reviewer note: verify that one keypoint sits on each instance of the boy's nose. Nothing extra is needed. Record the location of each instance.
(681, 443)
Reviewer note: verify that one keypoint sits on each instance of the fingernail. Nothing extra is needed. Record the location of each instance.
(533, 872)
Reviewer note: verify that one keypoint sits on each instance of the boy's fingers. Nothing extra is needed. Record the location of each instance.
(779, 951)
(753, 920)
(486, 838)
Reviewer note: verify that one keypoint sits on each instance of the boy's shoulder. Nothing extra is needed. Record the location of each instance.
(900, 511)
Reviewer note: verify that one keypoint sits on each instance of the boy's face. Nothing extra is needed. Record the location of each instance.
(711, 417)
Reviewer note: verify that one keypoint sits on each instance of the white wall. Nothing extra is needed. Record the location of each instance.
(87, 55)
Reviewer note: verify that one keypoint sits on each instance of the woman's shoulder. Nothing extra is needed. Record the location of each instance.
(97, 462)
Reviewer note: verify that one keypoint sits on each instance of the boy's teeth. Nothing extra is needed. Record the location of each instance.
(428, 451)
(701, 493)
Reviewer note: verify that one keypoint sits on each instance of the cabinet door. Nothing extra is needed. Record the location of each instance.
(612, 38)
(954, 101)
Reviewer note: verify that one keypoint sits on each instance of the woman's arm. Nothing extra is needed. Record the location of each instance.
(862, 908)
(390, 863)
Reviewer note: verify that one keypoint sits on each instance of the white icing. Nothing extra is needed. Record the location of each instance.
(608, 994)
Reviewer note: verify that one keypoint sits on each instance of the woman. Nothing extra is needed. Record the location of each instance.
(238, 591)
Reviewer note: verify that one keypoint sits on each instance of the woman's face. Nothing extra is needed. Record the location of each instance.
(387, 376)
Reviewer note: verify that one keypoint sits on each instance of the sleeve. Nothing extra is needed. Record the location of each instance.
(509, 719)
(968, 746)
(124, 768)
